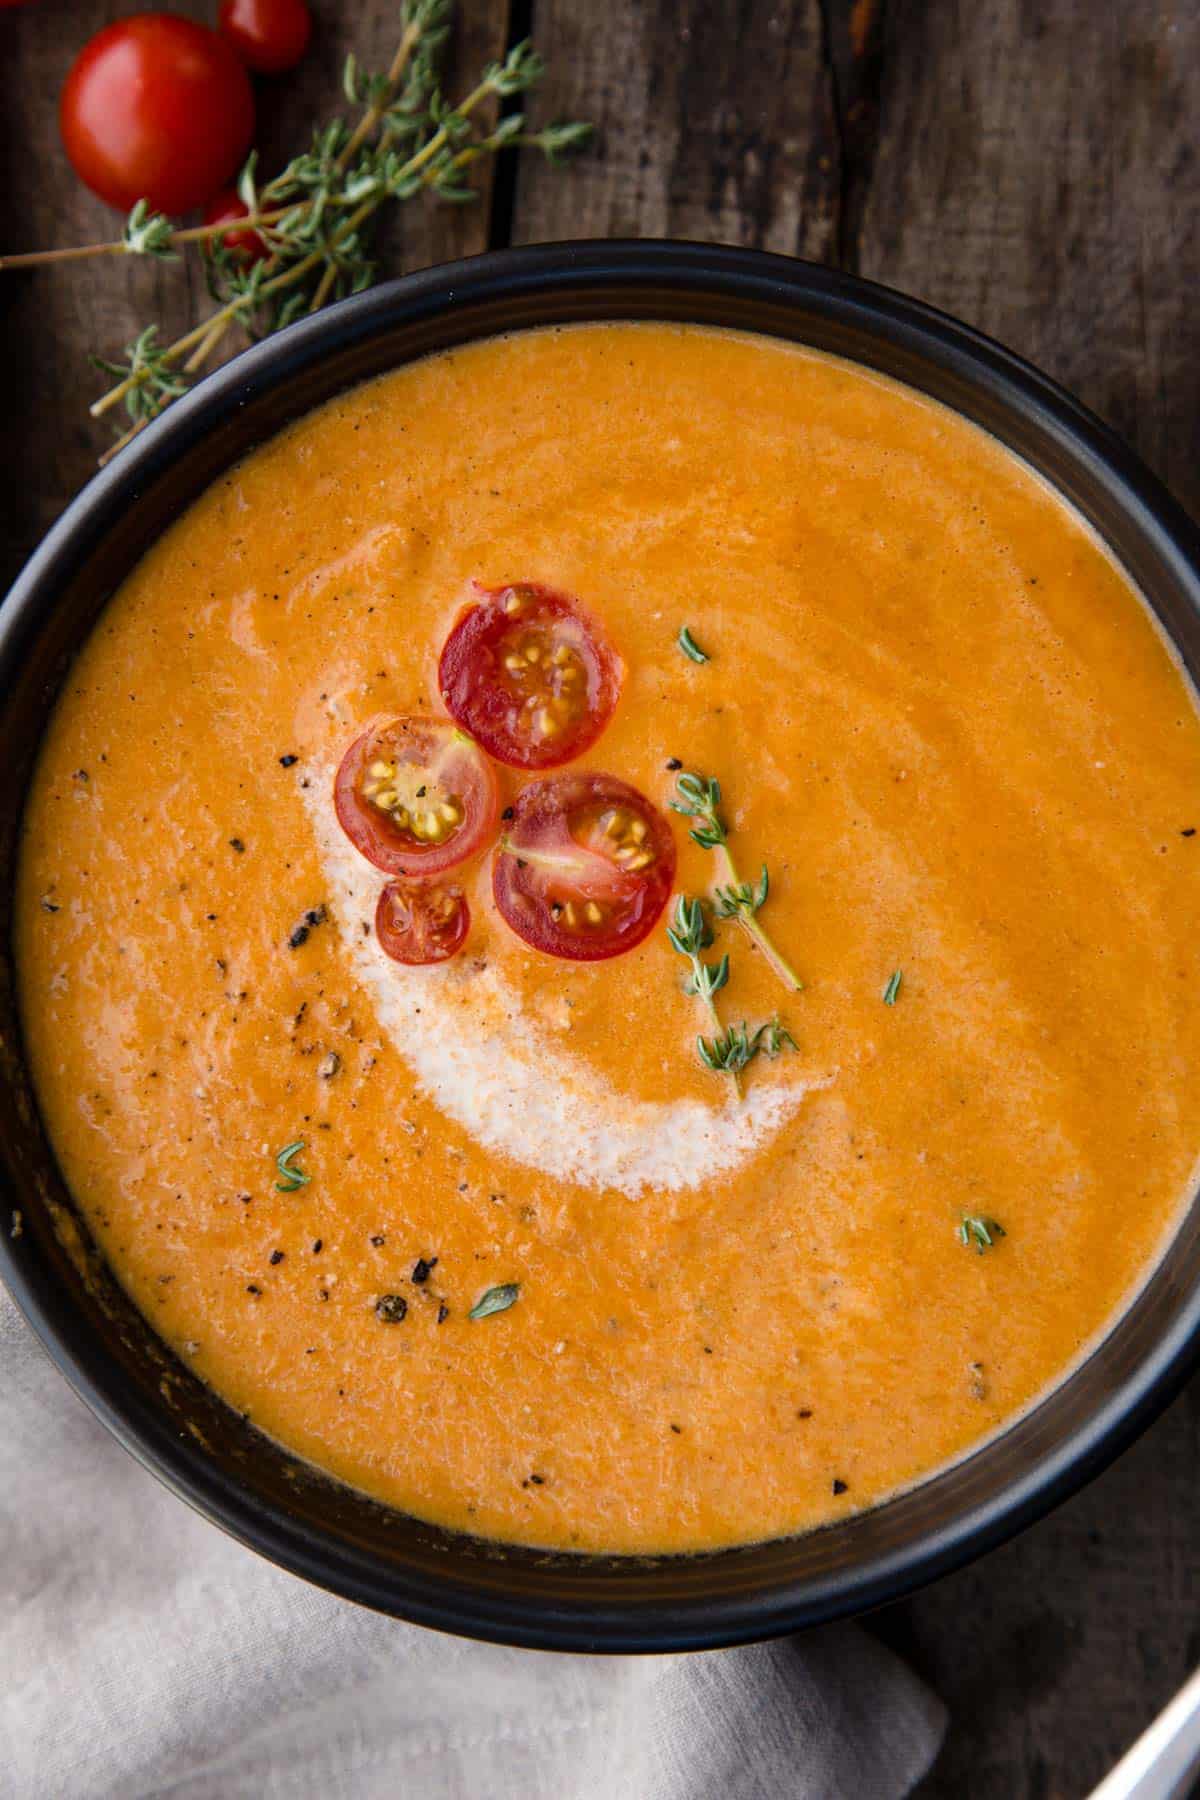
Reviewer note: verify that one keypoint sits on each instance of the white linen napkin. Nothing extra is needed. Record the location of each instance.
(144, 1653)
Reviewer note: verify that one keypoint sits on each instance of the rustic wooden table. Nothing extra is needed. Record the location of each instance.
(1030, 165)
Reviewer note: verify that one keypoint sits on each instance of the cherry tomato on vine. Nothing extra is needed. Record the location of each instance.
(584, 867)
(268, 35)
(247, 246)
(416, 796)
(529, 675)
(421, 921)
(156, 108)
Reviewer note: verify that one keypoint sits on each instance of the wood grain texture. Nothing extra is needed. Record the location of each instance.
(715, 121)
(52, 319)
(1037, 174)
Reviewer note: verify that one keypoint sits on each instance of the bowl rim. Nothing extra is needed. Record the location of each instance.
(594, 267)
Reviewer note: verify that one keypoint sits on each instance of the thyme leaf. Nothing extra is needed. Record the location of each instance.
(979, 1233)
(893, 987)
(149, 234)
(729, 902)
(699, 798)
(152, 381)
(737, 1046)
(690, 647)
(495, 1300)
(291, 1177)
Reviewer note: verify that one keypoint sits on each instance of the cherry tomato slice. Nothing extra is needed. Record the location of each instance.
(416, 796)
(228, 207)
(529, 675)
(156, 108)
(585, 866)
(268, 35)
(421, 921)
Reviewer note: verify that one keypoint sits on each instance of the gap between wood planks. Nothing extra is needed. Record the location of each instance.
(852, 51)
(503, 204)
(853, 54)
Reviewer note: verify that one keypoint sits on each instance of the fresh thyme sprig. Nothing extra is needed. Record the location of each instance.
(690, 933)
(317, 217)
(892, 991)
(737, 1046)
(979, 1233)
(729, 1049)
(700, 799)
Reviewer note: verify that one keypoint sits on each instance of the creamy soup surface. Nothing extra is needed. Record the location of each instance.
(938, 713)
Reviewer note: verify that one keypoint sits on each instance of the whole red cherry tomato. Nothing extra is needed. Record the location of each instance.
(247, 246)
(268, 35)
(159, 109)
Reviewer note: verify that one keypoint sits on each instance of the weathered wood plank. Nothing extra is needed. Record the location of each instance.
(1038, 175)
(715, 122)
(52, 319)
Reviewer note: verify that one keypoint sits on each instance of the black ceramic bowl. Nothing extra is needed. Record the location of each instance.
(152, 1403)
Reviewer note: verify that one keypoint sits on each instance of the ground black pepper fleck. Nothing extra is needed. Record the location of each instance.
(252, 1289)
(443, 1312)
(674, 762)
(678, 1430)
(1189, 832)
(237, 844)
(839, 1487)
(423, 1268)
(285, 762)
(317, 1246)
(391, 1308)
(316, 915)
(379, 1240)
(805, 1412)
(276, 1256)
(510, 812)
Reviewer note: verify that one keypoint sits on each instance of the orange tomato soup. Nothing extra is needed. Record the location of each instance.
(938, 713)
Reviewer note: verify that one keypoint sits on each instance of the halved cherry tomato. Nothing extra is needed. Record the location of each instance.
(247, 246)
(416, 796)
(421, 921)
(268, 35)
(156, 108)
(529, 675)
(585, 867)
